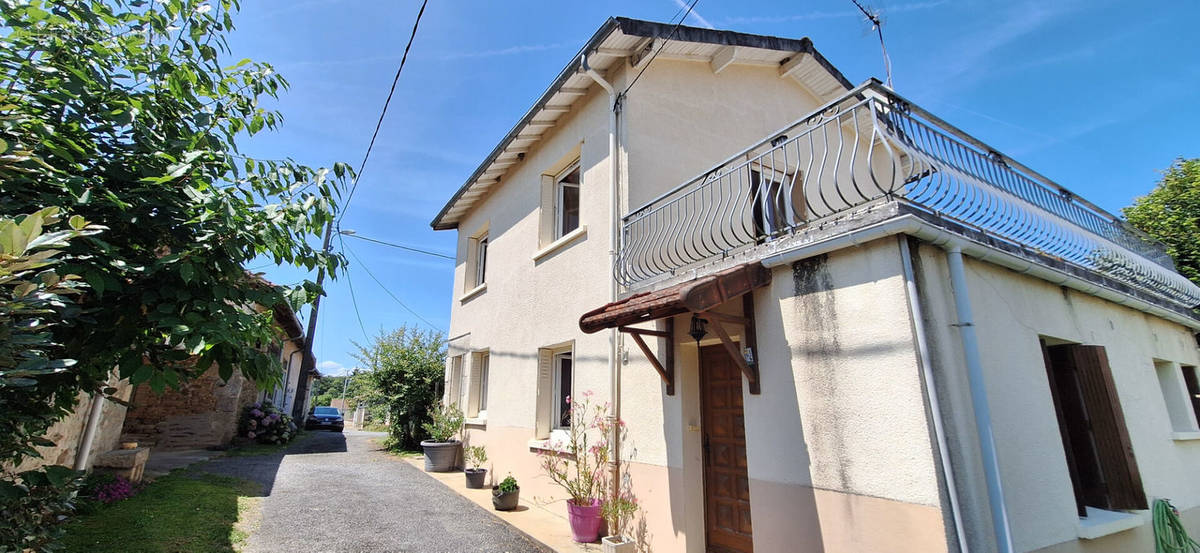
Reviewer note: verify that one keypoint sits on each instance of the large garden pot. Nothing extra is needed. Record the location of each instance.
(503, 501)
(441, 456)
(585, 520)
(475, 478)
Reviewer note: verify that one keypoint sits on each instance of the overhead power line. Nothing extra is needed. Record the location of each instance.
(400, 246)
(349, 250)
(670, 36)
(353, 298)
(378, 124)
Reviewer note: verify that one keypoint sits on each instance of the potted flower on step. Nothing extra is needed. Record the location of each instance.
(578, 465)
(476, 456)
(505, 494)
(442, 447)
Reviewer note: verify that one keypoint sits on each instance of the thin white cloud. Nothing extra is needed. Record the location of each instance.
(694, 15)
(888, 10)
(511, 50)
(331, 367)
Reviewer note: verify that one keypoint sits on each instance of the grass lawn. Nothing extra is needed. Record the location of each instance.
(177, 513)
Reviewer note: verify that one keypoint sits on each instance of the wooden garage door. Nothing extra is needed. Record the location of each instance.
(726, 484)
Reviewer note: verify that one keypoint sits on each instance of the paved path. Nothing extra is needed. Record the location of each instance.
(336, 492)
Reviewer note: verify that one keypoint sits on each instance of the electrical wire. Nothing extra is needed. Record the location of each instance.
(400, 246)
(353, 298)
(661, 46)
(362, 166)
(349, 250)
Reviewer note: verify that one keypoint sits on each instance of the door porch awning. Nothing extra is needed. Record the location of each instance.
(694, 296)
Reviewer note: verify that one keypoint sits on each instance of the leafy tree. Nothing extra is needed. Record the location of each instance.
(1171, 214)
(122, 112)
(407, 366)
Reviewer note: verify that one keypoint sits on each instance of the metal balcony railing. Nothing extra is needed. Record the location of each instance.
(870, 145)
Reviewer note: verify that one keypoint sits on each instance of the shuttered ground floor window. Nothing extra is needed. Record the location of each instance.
(1095, 439)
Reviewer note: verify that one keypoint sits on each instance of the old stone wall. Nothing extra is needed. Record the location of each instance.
(67, 433)
(202, 413)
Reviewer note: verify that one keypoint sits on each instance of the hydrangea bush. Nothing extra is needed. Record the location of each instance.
(267, 424)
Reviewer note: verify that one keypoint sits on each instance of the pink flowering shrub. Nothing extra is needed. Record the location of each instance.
(107, 488)
(267, 424)
(580, 465)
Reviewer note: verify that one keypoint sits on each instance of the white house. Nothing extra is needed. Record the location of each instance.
(831, 320)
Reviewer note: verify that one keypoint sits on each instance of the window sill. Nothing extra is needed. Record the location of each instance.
(1100, 523)
(480, 422)
(1185, 436)
(548, 446)
(473, 292)
(561, 243)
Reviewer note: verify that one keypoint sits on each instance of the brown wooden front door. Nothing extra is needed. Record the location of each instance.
(726, 484)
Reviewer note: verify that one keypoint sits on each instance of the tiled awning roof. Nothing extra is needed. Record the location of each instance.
(694, 296)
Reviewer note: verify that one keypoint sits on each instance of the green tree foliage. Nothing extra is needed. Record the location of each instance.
(124, 113)
(34, 300)
(407, 366)
(1171, 214)
(361, 388)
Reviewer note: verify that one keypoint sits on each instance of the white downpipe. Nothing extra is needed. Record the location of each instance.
(983, 415)
(84, 451)
(935, 408)
(614, 364)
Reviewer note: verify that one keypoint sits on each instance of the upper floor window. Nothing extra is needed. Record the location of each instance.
(566, 204)
(481, 249)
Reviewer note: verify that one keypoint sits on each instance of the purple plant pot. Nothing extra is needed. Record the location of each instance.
(585, 521)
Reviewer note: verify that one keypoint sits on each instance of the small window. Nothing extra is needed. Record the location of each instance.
(562, 390)
(1100, 460)
(1193, 389)
(1178, 386)
(481, 248)
(483, 381)
(566, 203)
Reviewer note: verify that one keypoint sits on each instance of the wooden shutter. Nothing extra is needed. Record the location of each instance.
(1121, 482)
(545, 381)
(472, 407)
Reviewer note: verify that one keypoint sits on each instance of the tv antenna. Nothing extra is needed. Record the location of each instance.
(877, 26)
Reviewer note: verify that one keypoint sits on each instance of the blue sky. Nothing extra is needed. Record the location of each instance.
(1096, 95)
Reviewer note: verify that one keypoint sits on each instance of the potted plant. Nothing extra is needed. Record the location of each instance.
(505, 494)
(442, 448)
(578, 465)
(618, 515)
(476, 456)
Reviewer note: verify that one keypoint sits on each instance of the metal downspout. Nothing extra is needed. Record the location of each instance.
(83, 452)
(614, 365)
(979, 401)
(935, 409)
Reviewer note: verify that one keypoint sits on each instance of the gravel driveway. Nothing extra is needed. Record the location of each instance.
(339, 492)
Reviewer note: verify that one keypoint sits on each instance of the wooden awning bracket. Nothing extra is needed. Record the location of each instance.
(748, 336)
(665, 368)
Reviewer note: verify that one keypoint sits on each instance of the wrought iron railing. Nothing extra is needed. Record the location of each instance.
(870, 145)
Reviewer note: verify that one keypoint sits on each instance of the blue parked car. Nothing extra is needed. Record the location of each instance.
(325, 417)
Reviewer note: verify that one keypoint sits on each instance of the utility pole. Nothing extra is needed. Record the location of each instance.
(308, 364)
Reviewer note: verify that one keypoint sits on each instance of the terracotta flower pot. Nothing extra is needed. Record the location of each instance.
(475, 478)
(585, 520)
(503, 501)
(441, 456)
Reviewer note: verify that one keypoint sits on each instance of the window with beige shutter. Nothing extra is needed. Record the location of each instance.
(555, 380)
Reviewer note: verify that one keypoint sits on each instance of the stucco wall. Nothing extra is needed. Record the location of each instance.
(67, 433)
(1011, 312)
(679, 120)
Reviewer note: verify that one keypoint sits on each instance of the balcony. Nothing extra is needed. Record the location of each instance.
(868, 149)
